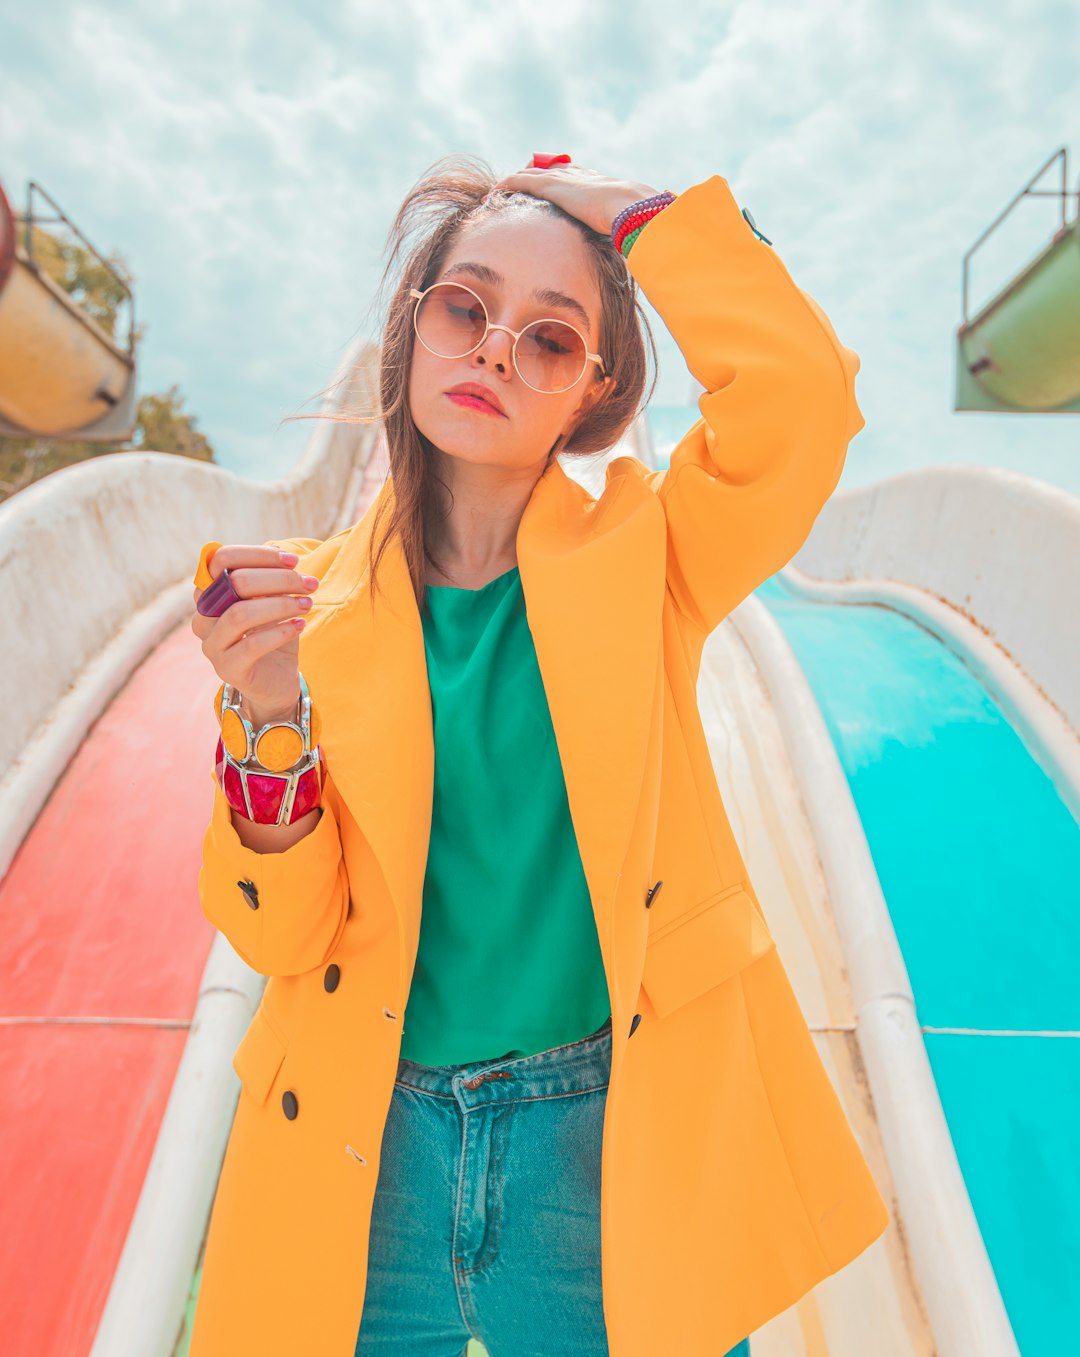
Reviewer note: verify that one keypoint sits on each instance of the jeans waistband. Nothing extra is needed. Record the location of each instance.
(578, 1067)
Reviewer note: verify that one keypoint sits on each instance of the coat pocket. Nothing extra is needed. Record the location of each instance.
(703, 947)
(258, 1057)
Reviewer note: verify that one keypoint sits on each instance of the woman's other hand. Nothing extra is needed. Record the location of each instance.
(592, 197)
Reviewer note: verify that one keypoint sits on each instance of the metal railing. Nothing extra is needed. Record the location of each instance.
(1028, 192)
(30, 219)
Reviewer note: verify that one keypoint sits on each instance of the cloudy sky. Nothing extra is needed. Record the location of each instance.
(248, 160)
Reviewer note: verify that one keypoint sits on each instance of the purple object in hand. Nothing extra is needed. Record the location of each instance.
(217, 597)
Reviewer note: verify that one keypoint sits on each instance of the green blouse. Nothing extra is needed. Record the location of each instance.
(509, 960)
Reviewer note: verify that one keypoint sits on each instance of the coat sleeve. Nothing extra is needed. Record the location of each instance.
(302, 894)
(747, 481)
(293, 910)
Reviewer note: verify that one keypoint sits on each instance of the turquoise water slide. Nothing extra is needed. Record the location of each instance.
(978, 856)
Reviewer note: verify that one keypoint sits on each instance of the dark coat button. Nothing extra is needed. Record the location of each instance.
(633, 1025)
(330, 979)
(651, 895)
(289, 1104)
(251, 891)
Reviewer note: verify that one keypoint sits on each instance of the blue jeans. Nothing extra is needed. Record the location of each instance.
(486, 1218)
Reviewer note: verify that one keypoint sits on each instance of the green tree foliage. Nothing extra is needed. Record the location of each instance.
(163, 427)
(161, 423)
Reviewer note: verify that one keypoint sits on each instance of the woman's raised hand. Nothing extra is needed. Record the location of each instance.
(254, 645)
(592, 197)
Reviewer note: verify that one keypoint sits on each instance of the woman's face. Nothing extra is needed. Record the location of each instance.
(504, 262)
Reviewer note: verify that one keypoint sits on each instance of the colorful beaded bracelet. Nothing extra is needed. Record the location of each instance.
(630, 222)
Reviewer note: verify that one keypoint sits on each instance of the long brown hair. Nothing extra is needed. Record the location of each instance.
(452, 192)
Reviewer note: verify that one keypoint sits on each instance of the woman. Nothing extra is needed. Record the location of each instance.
(527, 1067)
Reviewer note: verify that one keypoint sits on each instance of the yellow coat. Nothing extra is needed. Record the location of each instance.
(732, 1182)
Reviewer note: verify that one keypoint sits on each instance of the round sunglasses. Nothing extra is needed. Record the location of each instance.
(549, 355)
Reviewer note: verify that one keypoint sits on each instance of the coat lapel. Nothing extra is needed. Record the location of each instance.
(592, 573)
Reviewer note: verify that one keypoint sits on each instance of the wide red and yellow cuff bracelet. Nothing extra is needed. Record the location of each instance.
(272, 775)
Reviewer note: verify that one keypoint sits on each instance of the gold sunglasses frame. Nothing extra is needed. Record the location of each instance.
(514, 334)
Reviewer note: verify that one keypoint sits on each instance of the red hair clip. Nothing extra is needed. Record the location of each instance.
(540, 161)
